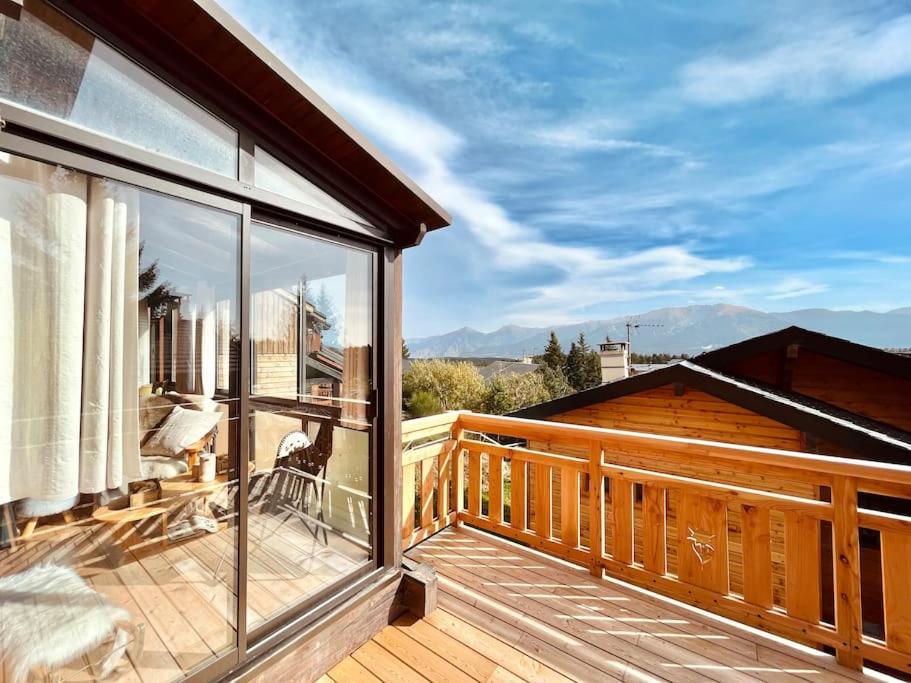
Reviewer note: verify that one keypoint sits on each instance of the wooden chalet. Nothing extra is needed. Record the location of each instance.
(204, 474)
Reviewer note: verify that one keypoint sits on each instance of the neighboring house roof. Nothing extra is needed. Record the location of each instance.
(505, 368)
(211, 52)
(862, 435)
(842, 349)
(639, 368)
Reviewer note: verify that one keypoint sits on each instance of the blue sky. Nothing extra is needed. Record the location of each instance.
(607, 158)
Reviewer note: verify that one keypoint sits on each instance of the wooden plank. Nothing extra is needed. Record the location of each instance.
(420, 658)
(595, 508)
(730, 492)
(454, 650)
(757, 555)
(529, 456)
(702, 542)
(490, 648)
(569, 507)
(444, 480)
(407, 501)
(427, 492)
(542, 501)
(474, 483)
(349, 669)
(532, 657)
(518, 499)
(802, 558)
(621, 495)
(846, 558)
(654, 531)
(420, 453)
(383, 664)
(495, 488)
(896, 559)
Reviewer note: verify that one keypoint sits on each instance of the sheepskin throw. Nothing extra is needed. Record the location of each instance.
(49, 616)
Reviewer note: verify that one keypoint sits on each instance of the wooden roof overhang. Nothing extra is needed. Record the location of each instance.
(198, 45)
(878, 441)
(834, 347)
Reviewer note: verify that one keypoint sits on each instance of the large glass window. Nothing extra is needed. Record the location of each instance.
(271, 174)
(50, 64)
(311, 341)
(118, 427)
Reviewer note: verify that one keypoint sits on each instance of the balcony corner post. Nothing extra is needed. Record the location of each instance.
(595, 508)
(846, 558)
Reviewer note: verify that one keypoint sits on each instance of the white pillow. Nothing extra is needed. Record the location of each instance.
(182, 429)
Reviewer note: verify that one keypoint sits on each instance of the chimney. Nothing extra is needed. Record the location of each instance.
(614, 360)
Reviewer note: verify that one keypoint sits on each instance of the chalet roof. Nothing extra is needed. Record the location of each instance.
(882, 442)
(835, 347)
(210, 52)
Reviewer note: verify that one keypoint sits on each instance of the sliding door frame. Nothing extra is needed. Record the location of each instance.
(40, 147)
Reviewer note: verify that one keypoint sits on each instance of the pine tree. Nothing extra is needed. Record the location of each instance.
(591, 370)
(583, 366)
(553, 356)
(406, 352)
(573, 368)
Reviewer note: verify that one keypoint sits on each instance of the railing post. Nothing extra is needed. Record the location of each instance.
(846, 557)
(458, 472)
(595, 508)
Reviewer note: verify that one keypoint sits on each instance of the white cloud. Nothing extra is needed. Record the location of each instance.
(599, 136)
(587, 275)
(871, 256)
(794, 287)
(826, 62)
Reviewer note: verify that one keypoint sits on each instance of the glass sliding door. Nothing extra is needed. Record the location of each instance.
(119, 389)
(311, 416)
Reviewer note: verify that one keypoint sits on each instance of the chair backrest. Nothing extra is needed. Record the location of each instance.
(291, 442)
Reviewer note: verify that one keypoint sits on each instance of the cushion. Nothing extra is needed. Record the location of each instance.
(162, 467)
(49, 615)
(34, 507)
(182, 429)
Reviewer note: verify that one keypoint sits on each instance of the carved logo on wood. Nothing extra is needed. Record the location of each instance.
(703, 544)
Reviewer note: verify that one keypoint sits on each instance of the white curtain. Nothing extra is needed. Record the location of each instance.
(109, 454)
(68, 356)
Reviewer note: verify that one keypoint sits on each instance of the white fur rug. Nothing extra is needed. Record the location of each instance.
(49, 616)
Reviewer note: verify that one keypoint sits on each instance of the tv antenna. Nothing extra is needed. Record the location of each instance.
(631, 325)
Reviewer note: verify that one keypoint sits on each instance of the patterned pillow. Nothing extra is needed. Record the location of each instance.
(182, 429)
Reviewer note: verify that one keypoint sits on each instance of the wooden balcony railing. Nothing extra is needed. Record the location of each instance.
(768, 538)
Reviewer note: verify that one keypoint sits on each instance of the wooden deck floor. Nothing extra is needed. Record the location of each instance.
(507, 614)
(184, 592)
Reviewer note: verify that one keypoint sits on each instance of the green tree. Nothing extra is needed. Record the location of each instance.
(553, 356)
(512, 392)
(573, 367)
(406, 352)
(423, 403)
(591, 370)
(583, 366)
(555, 381)
(456, 386)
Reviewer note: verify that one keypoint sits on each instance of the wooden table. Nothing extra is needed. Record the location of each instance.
(173, 491)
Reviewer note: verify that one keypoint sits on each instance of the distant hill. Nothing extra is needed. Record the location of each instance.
(688, 329)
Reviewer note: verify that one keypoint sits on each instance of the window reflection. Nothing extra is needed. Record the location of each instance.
(50, 64)
(311, 332)
(118, 406)
(272, 175)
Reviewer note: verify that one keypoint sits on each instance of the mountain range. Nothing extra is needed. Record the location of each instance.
(688, 329)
